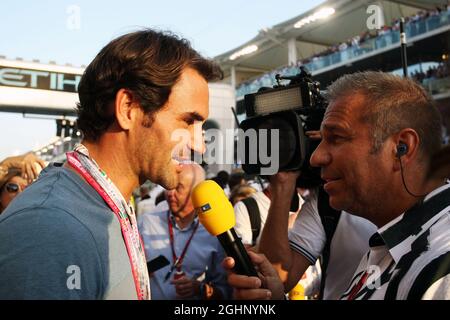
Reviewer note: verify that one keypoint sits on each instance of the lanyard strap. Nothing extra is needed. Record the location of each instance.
(358, 286)
(133, 241)
(177, 261)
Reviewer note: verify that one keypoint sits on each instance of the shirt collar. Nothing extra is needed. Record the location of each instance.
(174, 223)
(408, 225)
(376, 240)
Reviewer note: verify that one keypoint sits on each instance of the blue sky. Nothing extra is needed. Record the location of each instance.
(45, 30)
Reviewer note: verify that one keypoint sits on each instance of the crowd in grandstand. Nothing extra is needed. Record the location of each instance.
(434, 72)
(358, 41)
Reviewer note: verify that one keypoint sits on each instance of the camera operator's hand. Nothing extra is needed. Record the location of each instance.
(284, 177)
(267, 286)
(284, 182)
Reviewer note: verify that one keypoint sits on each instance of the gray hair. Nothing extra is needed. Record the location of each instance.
(392, 104)
(194, 172)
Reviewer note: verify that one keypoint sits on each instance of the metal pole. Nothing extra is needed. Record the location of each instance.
(403, 48)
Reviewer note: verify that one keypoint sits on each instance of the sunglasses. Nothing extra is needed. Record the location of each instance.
(12, 187)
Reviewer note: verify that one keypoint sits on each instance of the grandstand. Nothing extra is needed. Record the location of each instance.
(343, 36)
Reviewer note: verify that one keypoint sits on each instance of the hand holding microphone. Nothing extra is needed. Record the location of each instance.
(268, 286)
(216, 214)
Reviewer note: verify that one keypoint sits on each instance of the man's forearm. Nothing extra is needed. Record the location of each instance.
(12, 162)
(274, 242)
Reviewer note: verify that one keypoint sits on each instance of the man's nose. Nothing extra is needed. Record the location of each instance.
(320, 157)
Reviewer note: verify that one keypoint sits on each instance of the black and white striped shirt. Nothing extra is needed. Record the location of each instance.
(409, 257)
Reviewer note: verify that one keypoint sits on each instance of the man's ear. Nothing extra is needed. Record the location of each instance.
(407, 147)
(124, 105)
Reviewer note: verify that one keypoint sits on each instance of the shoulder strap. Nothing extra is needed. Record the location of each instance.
(329, 218)
(255, 217)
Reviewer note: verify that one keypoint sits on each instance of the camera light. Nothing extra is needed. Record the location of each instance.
(278, 100)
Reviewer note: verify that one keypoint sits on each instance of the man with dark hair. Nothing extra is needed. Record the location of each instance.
(222, 180)
(236, 179)
(73, 233)
(379, 134)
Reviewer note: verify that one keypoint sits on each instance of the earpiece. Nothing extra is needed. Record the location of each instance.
(402, 149)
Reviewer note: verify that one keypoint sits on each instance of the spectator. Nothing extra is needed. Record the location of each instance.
(15, 175)
(29, 166)
(241, 192)
(236, 179)
(222, 180)
(13, 184)
(177, 234)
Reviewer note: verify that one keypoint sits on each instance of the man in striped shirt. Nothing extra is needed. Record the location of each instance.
(378, 135)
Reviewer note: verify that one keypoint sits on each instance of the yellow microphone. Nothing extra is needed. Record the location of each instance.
(216, 214)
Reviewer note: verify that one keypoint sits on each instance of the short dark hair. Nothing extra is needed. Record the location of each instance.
(146, 62)
(235, 179)
(392, 104)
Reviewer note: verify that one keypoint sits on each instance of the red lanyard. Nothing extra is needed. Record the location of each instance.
(358, 286)
(177, 261)
(267, 193)
(125, 225)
